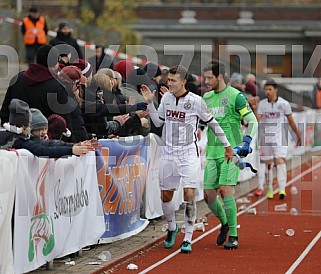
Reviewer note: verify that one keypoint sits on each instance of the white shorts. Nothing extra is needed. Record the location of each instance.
(172, 171)
(270, 152)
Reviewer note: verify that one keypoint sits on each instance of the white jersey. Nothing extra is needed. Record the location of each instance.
(181, 117)
(273, 124)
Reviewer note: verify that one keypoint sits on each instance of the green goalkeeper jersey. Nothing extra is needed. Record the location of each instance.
(227, 107)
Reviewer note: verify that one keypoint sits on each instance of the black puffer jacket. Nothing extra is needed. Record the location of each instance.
(68, 39)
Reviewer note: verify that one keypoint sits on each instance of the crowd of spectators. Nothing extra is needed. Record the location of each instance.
(98, 98)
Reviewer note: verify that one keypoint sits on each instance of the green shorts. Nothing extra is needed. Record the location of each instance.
(220, 173)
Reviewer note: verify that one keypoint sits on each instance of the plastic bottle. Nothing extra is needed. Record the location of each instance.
(294, 211)
(105, 256)
(294, 190)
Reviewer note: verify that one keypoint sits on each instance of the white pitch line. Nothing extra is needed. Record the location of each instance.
(303, 255)
(218, 226)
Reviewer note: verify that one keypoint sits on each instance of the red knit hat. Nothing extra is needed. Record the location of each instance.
(124, 67)
(84, 66)
(57, 127)
(251, 88)
(72, 73)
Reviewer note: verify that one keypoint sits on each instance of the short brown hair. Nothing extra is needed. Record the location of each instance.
(179, 69)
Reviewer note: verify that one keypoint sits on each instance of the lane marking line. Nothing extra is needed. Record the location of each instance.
(303, 255)
(310, 169)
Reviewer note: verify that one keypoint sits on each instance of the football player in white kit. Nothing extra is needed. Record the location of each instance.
(273, 114)
(180, 111)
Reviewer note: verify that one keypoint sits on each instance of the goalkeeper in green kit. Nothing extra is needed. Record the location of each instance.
(228, 106)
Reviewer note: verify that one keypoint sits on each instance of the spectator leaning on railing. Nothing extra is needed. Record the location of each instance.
(17, 134)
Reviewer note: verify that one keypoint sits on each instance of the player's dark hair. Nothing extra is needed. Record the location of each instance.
(271, 82)
(216, 67)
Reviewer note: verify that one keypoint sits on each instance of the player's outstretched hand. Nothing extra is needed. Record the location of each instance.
(79, 150)
(91, 144)
(229, 154)
(147, 94)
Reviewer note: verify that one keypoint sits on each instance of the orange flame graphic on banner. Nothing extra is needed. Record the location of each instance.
(122, 185)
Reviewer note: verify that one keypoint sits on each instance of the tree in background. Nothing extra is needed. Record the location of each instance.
(112, 16)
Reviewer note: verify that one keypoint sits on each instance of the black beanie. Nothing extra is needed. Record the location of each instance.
(19, 113)
(47, 56)
(62, 25)
(152, 70)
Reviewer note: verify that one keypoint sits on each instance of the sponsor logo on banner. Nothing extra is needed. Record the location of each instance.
(121, 173)
(42, 228)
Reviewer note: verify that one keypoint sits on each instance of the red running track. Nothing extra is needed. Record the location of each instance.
(264, 246)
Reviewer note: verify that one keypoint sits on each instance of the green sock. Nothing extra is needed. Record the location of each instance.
(218, 211)
(230, 211)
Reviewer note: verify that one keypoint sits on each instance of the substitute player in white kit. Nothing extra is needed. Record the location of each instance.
(274, 114)
(180, 112)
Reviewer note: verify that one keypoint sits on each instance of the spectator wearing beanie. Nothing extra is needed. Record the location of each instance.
(250, 88)
(38, 87)
(155, 74)
(64, 34)
(85, 67)
(124, 67)
(20, 117)
(39, 124)
(17, 132)
(153, 71)
(72, 78)
(57, 127)
(251, 94)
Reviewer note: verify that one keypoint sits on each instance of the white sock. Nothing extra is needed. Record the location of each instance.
(270, 176)
(169, 213)
(189, 218)
(281, 173)
(261, 175)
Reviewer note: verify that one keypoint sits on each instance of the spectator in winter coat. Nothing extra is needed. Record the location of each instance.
(101, 59)
(64, 34)
(72, 79)
(39, 130)
(39, 88)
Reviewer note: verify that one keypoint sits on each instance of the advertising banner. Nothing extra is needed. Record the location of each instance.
(57, 208)
(121, 173)
(8, 166)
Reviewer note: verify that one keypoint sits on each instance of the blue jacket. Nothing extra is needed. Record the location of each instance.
(17, 141)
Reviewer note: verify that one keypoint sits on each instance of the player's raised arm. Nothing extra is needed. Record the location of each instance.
(148, 96)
